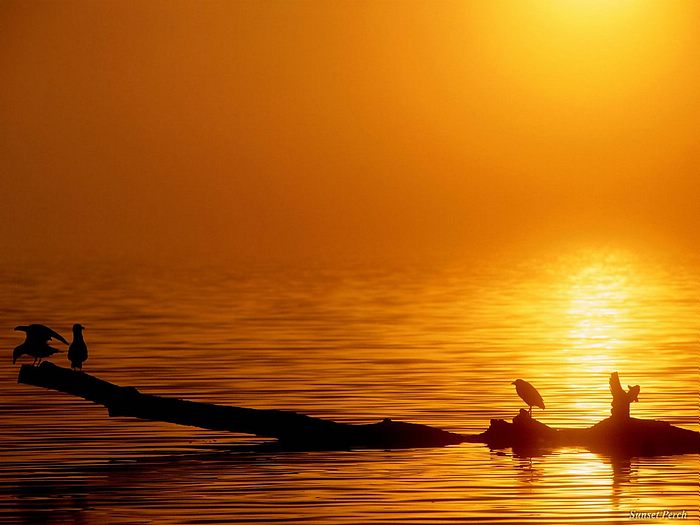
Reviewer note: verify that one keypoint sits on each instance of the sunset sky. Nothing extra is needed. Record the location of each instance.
(291, 129)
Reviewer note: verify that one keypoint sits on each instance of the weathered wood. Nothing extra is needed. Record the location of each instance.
(615, 435)
(619, 434)
(620, 399)
(291, 428)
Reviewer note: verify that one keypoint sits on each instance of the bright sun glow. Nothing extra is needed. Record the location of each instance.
(581, 52)
(592, 12)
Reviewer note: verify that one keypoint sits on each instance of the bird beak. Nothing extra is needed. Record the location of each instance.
(512, 382)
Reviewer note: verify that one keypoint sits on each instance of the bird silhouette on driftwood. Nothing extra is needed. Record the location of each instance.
(39, 332)
(77, 351)
(529, 394)
(36, 342)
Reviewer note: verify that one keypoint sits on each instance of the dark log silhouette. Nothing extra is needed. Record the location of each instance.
(613, 436)
(617, 435)
(621, 399)
(293, 430)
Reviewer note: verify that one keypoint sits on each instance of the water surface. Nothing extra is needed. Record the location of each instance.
(434, 344)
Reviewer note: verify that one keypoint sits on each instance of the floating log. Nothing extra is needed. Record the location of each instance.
(616, 435)
(293, 430)
(612, 436)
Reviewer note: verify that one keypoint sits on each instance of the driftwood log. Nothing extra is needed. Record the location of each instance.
(293, 430)
(618, 434)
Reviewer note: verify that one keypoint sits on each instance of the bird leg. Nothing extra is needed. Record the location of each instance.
(529, 412)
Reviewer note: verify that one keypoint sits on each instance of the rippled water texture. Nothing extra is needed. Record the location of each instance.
(436, 345)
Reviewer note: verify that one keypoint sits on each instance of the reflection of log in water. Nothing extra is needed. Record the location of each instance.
(618, 434)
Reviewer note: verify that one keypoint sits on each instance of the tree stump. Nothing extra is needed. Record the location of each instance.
(620, 399)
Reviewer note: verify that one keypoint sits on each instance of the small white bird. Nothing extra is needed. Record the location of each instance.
(77, 351)
(529, 394)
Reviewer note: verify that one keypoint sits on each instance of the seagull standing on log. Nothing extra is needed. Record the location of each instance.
(77, 351)
(529, 394)
(36, 343)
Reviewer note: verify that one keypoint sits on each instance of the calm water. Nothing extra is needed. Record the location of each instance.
(430, 344)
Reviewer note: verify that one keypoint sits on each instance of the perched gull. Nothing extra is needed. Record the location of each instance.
(529, 394)
(40, 333)
(36, 343)
(37, 351)
(77, 351)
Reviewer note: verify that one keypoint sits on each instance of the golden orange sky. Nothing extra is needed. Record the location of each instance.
(279, 128)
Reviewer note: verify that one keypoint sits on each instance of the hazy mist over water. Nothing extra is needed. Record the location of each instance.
(288, 130)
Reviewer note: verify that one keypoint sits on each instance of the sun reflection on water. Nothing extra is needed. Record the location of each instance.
(595, 312)
(599, 295)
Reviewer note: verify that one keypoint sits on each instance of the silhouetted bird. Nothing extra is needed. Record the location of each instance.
(36, 343)
(529, 394)
(40, 333)
(77, 351)
(37, 350)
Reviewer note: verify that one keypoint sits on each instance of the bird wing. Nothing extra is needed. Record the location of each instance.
(533, 396)
(51, 333)
(538, 398)
(58, 336)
